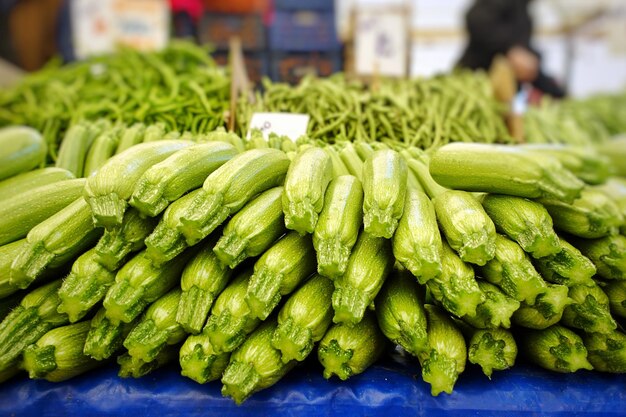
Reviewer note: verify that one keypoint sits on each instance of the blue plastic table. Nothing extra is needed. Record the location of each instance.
(393, 387)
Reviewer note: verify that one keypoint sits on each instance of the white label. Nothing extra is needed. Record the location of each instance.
(142, 24)
(292, 125)
(381, 42)
(98, 26)
(92, 27)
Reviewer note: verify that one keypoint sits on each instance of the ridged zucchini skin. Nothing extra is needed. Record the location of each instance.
(55, 241)
(502, 169)
(253, 229)
(202, 280)
(156, 329)
(26, 181)
(105, 338)
(369, 265)
(338, 225)
(417, 242)
(179, 173)
(229, 188)
(384, 189)
(22, 149)
(58, 354)
(36, 314)
(346, 351)
(305, 185)
(26, 210)
(304, 319)
(108, 190)
(278, 272)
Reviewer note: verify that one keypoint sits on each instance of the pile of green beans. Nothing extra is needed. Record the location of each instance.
(425, 113)
(576, 122)
(180, 86)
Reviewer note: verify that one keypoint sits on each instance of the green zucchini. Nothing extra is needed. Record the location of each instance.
(22, 149)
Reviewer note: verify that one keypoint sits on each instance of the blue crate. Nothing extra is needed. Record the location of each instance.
(217, 29)
(292, 67)
(324, 5)
(303, 31)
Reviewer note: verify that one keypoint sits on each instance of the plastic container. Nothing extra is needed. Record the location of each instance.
(291, 67)
(217, 29)
(303, 31)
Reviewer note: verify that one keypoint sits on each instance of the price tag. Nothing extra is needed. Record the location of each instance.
(142, 24)
(292, 125)
(92, 27)
(381, 42)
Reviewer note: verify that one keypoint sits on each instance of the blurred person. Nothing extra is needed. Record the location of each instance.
(504, 27)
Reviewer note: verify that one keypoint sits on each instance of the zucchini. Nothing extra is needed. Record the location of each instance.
(58, 354)
(203, 279)
(22, 149)
(29, 180)
(31, 319)
(568, 267)
(85, 285)
(384, 189)
(183, 171)
(132, 367)
(512, 271)
(53, 242)
(75, 146)
(303, 319)
(108, 190)
(555, 348)
(105, 338)
(589, 310)
(166, 241)
(547, 309)
(417, 241)
(139, 283)
(606, 352)
(616, 291)
(255, 365)
(118, 242)
(495, 311)
(369, 264)
(455, 288)
(525, 221)
(305, 186)
(231, 320)
(27, 209)
(156, 329)
(503, 169)
(608, 254)
(444, 359)
(492, 349)
(593, 215)
(229, 188)
(351, 159)
(130, 137)
(199, 361)
(346, 351)
(338, 225)
(400, 312)
(101, 150)
(253, 229)
(278, 272)
(466, 226)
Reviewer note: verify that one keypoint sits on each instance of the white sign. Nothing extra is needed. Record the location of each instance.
(381, 41)
(92, 27)
(98, 26)
(142, 24)
(292, 125)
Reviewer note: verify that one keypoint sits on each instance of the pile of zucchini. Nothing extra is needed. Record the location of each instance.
(240, 258)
